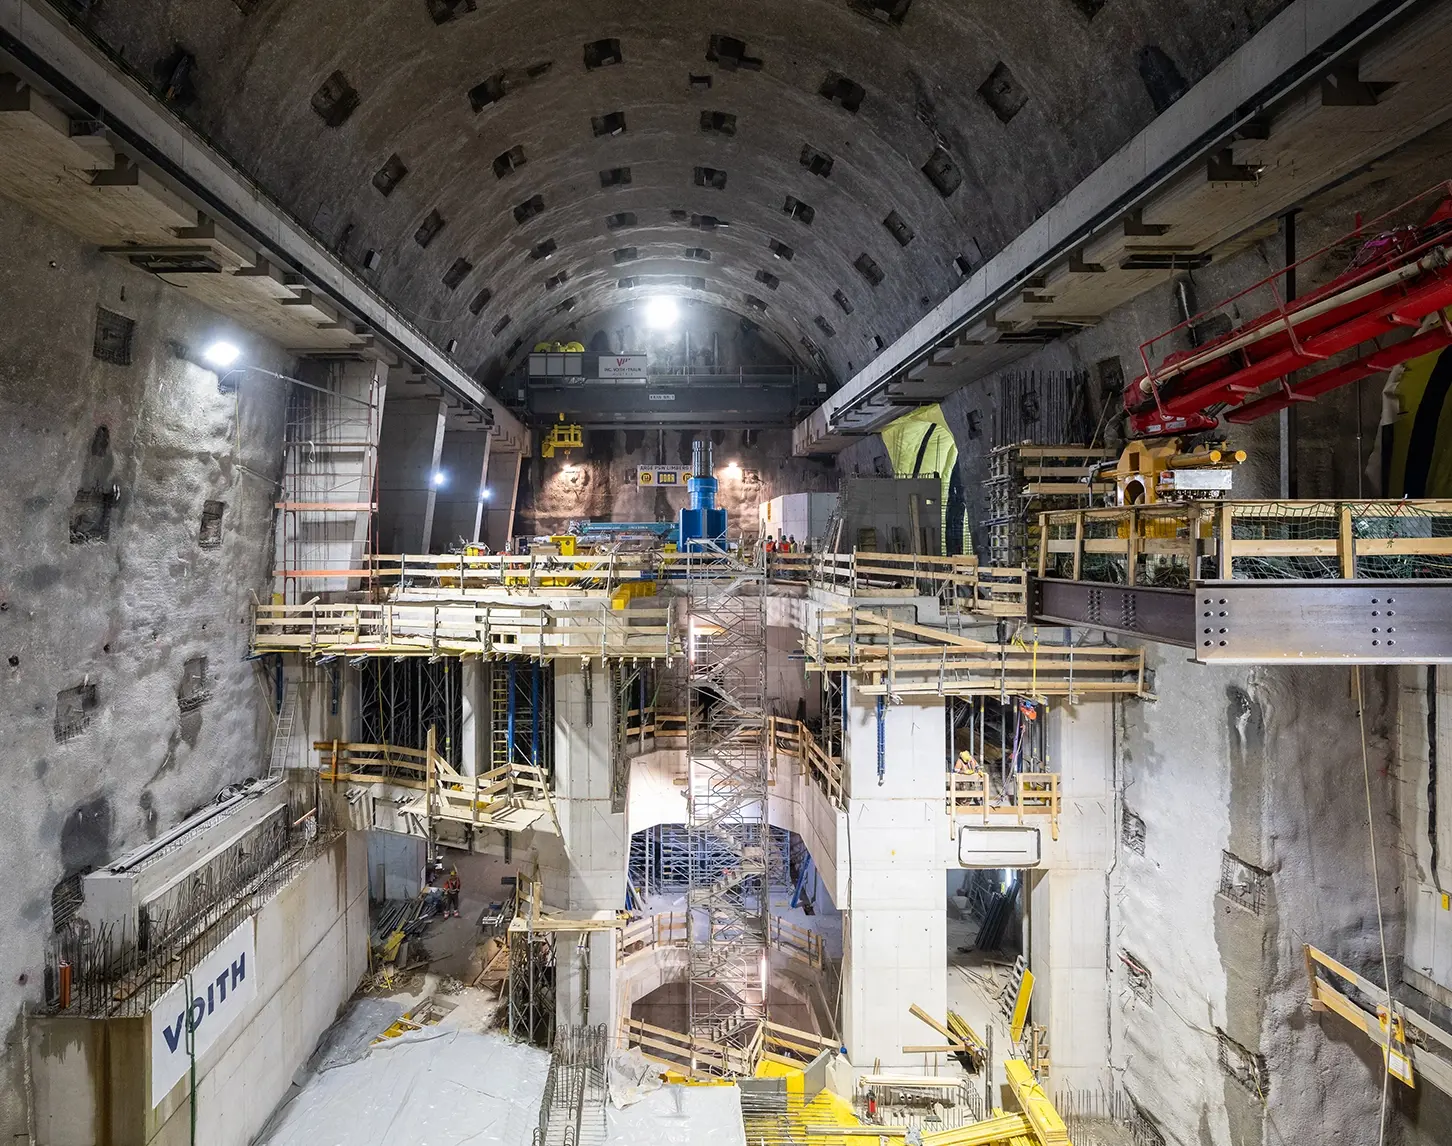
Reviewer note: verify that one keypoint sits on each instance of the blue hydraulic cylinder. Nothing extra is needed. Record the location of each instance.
(702, 523)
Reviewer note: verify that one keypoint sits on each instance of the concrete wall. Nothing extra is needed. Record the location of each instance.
(894, 934)
(1266, 765)
(91, 1077)
(409, 456)
(123, 614)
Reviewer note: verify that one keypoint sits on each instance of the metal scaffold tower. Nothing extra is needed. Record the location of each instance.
(727, 814)
(329, 496)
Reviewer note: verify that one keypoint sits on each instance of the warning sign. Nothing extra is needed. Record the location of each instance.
(662, 475)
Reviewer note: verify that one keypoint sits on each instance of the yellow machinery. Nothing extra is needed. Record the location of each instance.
(1151, 472)
(562, 436)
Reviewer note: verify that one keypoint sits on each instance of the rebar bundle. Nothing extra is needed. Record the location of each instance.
(572, 1109)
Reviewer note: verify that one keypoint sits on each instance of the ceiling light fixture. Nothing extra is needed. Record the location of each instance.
(661, 313)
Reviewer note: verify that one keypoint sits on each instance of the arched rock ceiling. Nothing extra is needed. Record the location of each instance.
(1024, 96)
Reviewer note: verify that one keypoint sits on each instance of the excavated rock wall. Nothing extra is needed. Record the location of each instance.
(112, 728)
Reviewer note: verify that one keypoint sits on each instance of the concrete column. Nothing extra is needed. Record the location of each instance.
(1068, 909)
(457, 500)
(409, 455)
(482, 505)
(895, 930)
(585, 871)
(474, 721)
(503, 486)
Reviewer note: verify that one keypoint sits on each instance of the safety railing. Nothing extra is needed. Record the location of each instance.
(888, 657)
(699, 1057)
(960, 582)
(794, 739)
(494, 629)
(652, 933)
(795, 941)
(670, 930)
(1175, 545)
(1031, 794)
(510, 797)
(1411, 1044)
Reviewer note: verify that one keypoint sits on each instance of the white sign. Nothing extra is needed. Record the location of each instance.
(662, 475)
(222, 985)
(991, 845)
(623, 365)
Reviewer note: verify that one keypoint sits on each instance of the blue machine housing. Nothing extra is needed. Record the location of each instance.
(702, 524)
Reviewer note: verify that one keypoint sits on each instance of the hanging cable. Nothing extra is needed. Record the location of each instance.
(1376, 884)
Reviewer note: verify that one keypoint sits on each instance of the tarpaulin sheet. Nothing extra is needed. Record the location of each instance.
(433, 1088)
(678, 1115)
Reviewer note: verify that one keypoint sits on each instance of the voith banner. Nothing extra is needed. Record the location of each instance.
(624, 365)
(197, 1011)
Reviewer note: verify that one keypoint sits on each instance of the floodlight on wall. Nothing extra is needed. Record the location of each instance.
(221, 354)
(440, 478)
(484, 494)
(661, 313)
(733, 469)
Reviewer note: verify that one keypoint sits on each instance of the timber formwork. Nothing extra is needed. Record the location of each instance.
(727, 790)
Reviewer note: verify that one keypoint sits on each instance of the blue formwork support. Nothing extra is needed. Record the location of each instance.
(801, 880)
(534, 715)
(511, 691)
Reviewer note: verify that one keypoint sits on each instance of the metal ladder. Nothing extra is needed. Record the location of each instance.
(282, 733)
(498, 722)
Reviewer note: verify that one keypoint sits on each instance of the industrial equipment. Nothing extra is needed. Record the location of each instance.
(1398, 281)
(702, 524)
(1151, 472)
(561, 436)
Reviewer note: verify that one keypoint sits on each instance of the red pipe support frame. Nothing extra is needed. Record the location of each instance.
(1401, 277)
(1387, 314)
(1314, 387)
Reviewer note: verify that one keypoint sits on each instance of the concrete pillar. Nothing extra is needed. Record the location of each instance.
(895, 930)
(585, 871)
(503, 486)
(457, 500)
(474, 721)
(409, 455)
(1068, 909)
(482, 506)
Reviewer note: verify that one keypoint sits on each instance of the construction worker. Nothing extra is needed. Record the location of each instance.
(451, 894)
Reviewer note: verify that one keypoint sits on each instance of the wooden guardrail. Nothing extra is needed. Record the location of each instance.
(1033, 794)
(669, 929)
(1411, 1044)
(891, 657)
(959, 580)
(490, 629)
(794, 739)
(964, 585)
(511, 797)
(1179, 543)
(699, 1057)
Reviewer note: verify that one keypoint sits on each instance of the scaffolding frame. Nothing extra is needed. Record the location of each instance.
(328, 504)
(727, 790)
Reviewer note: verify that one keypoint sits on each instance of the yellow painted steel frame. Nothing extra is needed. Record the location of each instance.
(1021, 1005)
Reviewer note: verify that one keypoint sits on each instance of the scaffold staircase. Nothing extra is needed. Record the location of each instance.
(727, 804)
